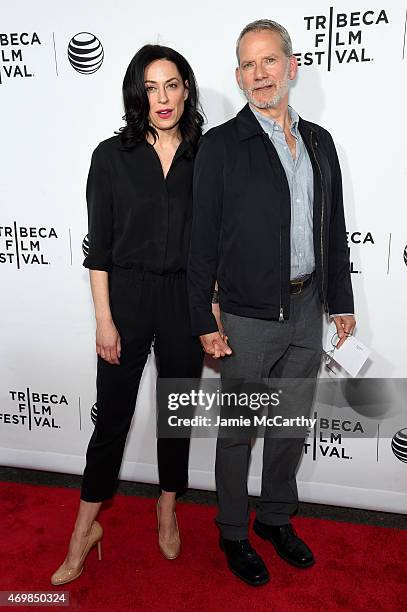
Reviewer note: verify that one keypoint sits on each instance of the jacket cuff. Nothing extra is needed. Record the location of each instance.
(203, 322)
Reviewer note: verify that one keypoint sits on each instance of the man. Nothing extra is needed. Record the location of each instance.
(269, 227)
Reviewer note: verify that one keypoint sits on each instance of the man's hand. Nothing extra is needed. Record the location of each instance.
(213, 344)
(344, 327)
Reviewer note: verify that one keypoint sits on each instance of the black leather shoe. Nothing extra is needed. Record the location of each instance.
(244, 562)
(286, 542)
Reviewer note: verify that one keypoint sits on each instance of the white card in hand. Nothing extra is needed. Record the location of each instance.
(352, 354)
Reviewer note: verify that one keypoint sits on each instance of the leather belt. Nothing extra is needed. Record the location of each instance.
(297, 286)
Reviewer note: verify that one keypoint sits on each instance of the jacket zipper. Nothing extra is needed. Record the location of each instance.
(281, 317)
(322, 217)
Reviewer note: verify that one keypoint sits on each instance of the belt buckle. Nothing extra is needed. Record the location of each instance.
(300, 283)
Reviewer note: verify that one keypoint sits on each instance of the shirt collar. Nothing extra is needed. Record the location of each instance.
(269, 125)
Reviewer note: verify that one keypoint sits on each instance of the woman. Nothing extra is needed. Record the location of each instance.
(139, 196)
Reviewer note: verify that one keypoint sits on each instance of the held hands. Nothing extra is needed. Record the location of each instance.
(108, 342)
(213, 344)
(216, 343)
(345, 325)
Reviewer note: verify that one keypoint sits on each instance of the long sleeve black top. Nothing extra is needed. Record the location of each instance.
(136, 217)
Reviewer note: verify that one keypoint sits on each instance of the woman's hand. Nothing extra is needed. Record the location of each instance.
(108, 341)
(107, 337)
(216, 314)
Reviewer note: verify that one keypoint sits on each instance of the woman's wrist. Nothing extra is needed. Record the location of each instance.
(103, 317)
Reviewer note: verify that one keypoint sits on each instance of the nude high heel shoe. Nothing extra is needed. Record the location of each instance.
(65, 573)
(169, 548)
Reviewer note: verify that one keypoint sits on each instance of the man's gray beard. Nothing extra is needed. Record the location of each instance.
(271, 103)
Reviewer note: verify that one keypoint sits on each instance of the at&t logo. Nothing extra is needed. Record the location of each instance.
(94, 413)
(399, 445)
(85, 245)
(85, 53)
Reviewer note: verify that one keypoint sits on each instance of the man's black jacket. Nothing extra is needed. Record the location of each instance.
(241, 224)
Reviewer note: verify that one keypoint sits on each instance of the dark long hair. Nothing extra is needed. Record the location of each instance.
(136, 104)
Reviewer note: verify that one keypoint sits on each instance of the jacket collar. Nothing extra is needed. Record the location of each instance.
(308, 132)
(247, 124)
(269, 125)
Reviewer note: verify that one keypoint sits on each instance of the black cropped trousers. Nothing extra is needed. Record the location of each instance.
(145, 306)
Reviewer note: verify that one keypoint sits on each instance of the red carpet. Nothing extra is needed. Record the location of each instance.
(358, 567)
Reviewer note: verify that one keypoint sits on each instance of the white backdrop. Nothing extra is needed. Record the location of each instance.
(351, 80)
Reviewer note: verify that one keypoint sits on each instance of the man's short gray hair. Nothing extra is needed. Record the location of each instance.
(267, 24)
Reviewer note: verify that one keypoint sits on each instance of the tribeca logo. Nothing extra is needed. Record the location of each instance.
(399, 445)
(11, 54)
(357, 238)
(338, 37)
(33, 409)
(21, 245)
(328, 437)
(85, 53)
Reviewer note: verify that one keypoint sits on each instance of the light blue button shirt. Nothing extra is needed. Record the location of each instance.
(300, 179)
